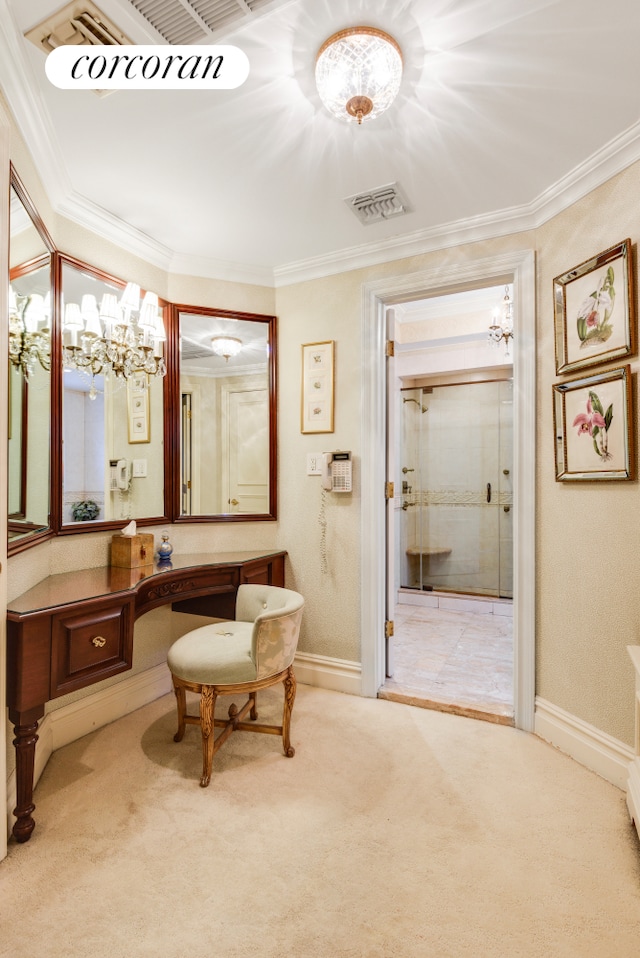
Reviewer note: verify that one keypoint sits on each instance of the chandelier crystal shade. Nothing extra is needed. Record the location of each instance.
(358, 73)
(121, 336)
(226, 346)
(29, 332)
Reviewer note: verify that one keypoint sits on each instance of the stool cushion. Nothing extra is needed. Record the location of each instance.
(218, 654)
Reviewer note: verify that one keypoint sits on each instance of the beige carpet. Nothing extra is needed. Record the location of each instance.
(395, 831)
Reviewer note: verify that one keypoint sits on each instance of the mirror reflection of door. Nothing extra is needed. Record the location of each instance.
(225, 417)
(186, 472)
(246, 449)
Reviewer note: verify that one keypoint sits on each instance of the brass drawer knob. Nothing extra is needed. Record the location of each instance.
(98, 641)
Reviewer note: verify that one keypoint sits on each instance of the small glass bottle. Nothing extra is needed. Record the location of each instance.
(165, 548)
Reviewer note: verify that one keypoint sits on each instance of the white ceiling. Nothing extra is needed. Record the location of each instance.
(508, 109)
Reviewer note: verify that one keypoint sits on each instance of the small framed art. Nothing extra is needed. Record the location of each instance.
(594, 430)
(317, 387)
(138, 409)
(594, 310)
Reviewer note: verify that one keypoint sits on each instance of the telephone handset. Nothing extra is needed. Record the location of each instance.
(120, 474)
(336, 471)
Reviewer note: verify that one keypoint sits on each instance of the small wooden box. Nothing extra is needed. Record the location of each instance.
(130, 552)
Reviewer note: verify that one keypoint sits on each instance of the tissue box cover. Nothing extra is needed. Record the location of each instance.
(129, 552)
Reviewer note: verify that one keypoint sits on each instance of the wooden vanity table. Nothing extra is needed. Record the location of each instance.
(75, 629)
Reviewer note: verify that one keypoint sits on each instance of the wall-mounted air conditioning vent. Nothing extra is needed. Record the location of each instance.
(80, 23)
(197, 21)
(382, 203)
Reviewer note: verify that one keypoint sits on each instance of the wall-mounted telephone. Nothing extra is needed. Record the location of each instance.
(336, 471)
(120, 474)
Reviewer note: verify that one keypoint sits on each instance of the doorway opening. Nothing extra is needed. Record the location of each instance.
(451, 558)
(513, 266)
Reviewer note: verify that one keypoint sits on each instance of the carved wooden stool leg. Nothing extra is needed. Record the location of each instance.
(181, 700)
(253, 714)
(207, 708)
(289, 698)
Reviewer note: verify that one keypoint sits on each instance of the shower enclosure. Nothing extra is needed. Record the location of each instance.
(456, 461)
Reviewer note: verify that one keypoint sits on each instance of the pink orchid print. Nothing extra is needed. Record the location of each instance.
(595, 422)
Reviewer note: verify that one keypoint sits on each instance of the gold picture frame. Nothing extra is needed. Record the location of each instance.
(317, 407)
(594, 429)
(594, 310)
(138, 408)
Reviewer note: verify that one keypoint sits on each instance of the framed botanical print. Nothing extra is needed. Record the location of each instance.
(594, 310)
(138, 408)
(317, 387)
(594, 429)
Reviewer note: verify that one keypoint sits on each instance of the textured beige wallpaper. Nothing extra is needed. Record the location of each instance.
(588, 595)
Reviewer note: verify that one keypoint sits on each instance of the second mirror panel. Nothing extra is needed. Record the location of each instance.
(112, 427)
(227, 410)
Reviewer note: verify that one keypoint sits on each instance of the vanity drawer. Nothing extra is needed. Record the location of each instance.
(89, 646)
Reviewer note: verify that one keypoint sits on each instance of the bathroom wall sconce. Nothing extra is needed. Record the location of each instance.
(501, 329)
(358, 73)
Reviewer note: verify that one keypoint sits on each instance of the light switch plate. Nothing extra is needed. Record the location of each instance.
(314, 463)
(139, 469)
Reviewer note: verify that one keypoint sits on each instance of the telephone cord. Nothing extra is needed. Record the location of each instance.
(322, 520)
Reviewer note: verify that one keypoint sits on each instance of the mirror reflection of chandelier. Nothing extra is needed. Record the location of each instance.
(121, 337)
(226, 346)
(29, 332)
(502, 326)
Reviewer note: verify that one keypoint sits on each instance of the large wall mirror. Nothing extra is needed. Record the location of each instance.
(125, 407)
(29, 386)
(226, 404)
(113, 460)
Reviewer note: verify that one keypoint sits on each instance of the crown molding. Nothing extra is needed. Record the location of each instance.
(209, 268)
(96, 219)
(613, 158)
(18, 83)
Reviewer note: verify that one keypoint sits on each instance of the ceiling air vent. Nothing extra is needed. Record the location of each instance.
(383, 203)
(78, 23)
(197, 21)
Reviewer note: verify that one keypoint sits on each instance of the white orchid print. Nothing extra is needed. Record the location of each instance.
(594, 314)
(595, 423)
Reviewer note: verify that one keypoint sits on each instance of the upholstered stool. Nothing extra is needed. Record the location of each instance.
(241, 656)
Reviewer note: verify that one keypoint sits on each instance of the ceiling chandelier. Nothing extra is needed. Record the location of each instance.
(226, 346)
(29, 332)
(358, 73)
(122, 336)
(501, 327)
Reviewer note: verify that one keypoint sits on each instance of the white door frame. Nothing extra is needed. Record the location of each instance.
(517, 267)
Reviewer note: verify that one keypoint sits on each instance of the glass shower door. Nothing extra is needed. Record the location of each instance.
(456, 484)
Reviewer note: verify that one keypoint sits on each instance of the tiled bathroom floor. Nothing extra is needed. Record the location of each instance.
(454, 660)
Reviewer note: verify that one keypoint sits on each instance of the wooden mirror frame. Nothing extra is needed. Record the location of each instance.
(60, 261)
(171, 419)
(173, 361)
(39, 534)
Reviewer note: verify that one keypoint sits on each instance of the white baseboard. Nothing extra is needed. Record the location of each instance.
(603, 754)
(323, 672)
